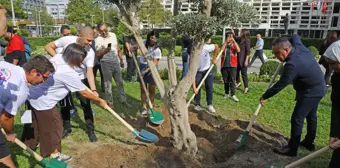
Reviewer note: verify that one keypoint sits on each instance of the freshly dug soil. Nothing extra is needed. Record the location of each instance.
(216, 142)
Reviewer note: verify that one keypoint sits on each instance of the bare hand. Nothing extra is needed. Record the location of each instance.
(95, 93)
(121, 64)
(262, 101)
(102, 103)
(11, 138)
(196, 91)
(107, 49)
(332, 144)
(246, 63)
(214, 61)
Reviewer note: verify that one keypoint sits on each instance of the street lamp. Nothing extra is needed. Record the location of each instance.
(92, 19)
(13, 15)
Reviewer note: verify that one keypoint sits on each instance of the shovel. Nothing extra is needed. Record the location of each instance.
(205, 77)
(155, 117)
(52, 163)
(143, 135)
(304, 159)
(242, 139)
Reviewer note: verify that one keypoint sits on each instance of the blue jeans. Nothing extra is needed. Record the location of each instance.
(258, 53)
(185, 61)
(209, 81)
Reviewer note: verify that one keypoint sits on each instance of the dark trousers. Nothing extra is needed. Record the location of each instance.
(229, 79)
(335, 161)
(304, 108)
(131, 68)
(185, 61)
(86, 106)
(244, 74)
(258, 53)
(95, 70)
(209, 81)
(328, 72)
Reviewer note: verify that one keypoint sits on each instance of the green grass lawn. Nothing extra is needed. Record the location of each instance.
(276, 113)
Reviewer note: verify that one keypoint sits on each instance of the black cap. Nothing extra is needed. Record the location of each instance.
(10, 29)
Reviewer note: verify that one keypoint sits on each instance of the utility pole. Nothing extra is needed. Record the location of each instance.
(40, 31)
(92, 19)
(103, 14)
(13, 15)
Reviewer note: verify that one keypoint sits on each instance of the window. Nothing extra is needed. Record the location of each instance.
(275, 8)
(305, 17)
(274, 17)
(304, 21)
(293, 22)
(335, 21)
(285, 8)
(264, 9)
(336, 8)
(306, 8)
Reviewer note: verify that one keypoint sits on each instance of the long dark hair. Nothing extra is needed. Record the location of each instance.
(74, 54)
(147, 43)
(245, 35)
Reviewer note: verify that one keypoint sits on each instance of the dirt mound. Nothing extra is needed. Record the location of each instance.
(216, 143)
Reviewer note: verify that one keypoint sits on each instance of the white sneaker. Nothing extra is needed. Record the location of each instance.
(61, 157)
(198, 108)
(235, 99)
(211, 109)
(144, 112)
(226, 96)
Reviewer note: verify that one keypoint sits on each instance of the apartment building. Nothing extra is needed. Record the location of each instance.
(30, 5)
(56, 8)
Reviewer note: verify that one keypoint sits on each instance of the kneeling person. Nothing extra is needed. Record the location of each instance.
(14, 90)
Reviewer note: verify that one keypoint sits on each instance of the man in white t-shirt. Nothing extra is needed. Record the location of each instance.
(203, 67)
(85, 38)
(43, 99)
(111, 61)
(14, 83)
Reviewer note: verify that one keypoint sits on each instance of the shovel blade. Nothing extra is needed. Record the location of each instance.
(54, 163)
(242, 139)
(156, 117)
(146, 136)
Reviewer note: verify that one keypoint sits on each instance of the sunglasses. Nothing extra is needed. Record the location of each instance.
(43, 76)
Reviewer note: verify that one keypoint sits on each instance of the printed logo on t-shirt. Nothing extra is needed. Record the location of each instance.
(5, 74)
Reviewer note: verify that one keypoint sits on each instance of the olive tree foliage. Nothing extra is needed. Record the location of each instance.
(198, 26)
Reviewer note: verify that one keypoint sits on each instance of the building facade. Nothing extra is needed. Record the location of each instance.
(30, 6)
(56, 8)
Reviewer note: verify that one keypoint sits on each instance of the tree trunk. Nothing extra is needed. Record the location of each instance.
(182, 138)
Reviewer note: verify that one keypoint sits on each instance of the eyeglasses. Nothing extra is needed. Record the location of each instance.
(43, 76)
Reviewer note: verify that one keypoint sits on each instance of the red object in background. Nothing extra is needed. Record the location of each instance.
(324, 7)
(313, 5)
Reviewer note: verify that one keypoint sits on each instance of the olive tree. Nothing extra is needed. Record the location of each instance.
(198, 25)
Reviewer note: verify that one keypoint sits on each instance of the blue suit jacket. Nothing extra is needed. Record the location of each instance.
(303, 71)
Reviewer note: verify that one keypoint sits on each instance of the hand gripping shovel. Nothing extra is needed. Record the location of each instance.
(143, 135)
(242, 139)
(156, 117)
(205, 77)
(304, 159)
(52, 163)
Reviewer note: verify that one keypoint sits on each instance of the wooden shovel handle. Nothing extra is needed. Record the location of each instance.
(23, 146)
(253, 117)
(115, 114)
(310, 156)
(205, 76)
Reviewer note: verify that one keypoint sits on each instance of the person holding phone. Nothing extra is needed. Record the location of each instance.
(111, 60)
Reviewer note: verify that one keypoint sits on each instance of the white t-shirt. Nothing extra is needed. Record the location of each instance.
(13, 87)
(65, 79)
(153, 53)
(102, 43)
(88, 62)
(205, 60)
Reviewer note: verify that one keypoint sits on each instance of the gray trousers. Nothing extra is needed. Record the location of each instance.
(110, 70)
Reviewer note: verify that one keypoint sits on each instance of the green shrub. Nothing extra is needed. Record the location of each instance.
(178, 51)
(314, 51)
(218, 77)
(165, 52)
(24, 32)
(268, 68)
(253, 77)
(164, 74)
(74, 30)
(41, 41)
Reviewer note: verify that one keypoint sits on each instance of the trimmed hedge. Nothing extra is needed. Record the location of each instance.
(41, 41)
(314, 51)
(269, 68)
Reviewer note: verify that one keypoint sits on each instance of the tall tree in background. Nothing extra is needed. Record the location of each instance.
(153, 12)
(46, 20)
(18, 11)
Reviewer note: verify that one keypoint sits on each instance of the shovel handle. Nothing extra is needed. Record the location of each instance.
(310, 156)
(253, 117)
(115, 114)
(23, 146)
(142, 81)
(205, 76)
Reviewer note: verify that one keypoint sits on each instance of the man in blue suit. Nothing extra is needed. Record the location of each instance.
(304, 72)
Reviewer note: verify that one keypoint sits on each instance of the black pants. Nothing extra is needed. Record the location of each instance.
(131, 68)
(258, 53)
(328, 72)
(95, 70)
(229, 79)
(86, 106)
(304, 108)
(244, 74)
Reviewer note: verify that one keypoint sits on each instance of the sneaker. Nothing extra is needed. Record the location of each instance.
(144, 112)
(61, 157)
(126, 104)
(66, 132)
(73, 112)
(198, 108)
(92, 137)
(211, 109)
(235, 99)
(226, 96)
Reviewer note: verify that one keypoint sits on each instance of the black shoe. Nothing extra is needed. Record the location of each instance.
(285, 150)
(66, 132)
(92, 137)
(310, 147)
